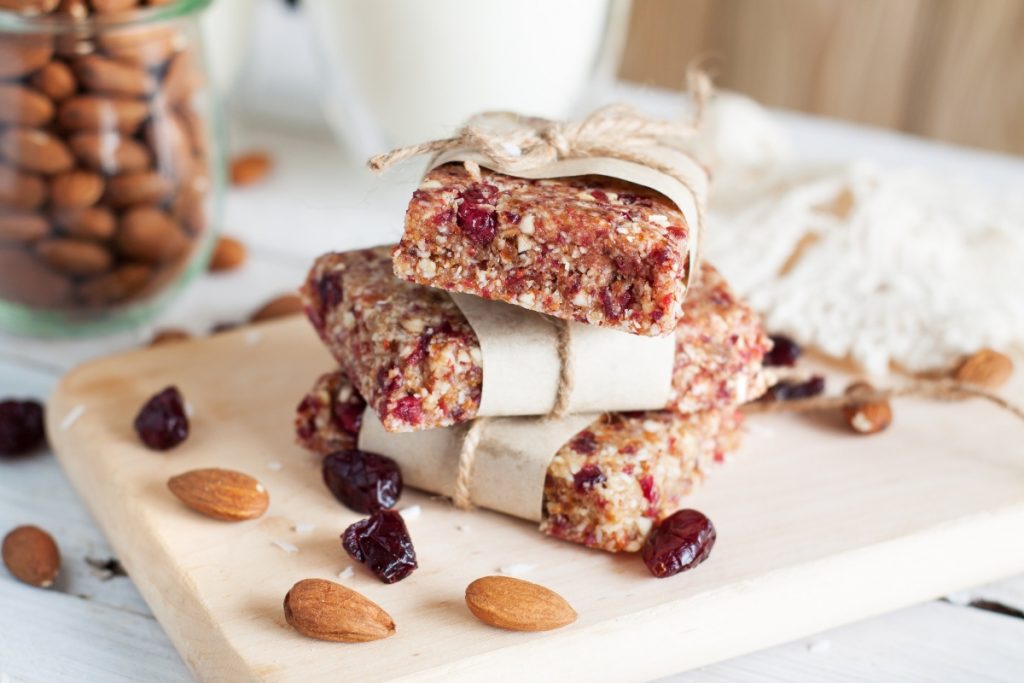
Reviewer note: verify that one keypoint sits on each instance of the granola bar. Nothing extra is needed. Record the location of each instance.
(597, 250)
(604, 488)
(413, 355)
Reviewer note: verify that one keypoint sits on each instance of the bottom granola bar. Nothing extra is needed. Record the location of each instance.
(605, 488)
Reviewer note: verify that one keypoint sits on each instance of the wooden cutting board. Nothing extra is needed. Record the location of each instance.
(816, 528)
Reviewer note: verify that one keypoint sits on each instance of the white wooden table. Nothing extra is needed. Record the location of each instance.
(91, 627)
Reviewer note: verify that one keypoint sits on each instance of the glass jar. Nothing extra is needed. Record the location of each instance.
(111, 171)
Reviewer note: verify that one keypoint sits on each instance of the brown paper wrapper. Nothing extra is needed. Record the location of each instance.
(511, 461)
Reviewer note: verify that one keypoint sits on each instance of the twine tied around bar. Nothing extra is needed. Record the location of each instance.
(513, 144)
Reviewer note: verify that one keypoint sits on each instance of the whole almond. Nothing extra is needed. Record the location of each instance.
(171, 144)
(108, 6)
(138, 188)
(90, 223)
(26, 280)
(149, 235)
(22, 227)
(75, 189)
(329, 611)
(35, 150)
(189, 207)
(54, 80)
(97, 113)
(147, 45)
(221, 494)
(110, 153)
(117, 286)
(20, 190)
(517, 605)
(112, 77)
(169, 336)
(181, 78)
(21, 55)
(32, 556)
(74, 257)
(22, 106)
(29, 7)
(866, 417)
(250, 168)
(228, 254)
(985, 368)
(278, 307)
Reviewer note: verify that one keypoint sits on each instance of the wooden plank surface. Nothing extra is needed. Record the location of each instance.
(816, 529)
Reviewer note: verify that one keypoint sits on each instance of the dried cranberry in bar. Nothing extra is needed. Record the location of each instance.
(412, 354)
(593, 249)
(608, 485)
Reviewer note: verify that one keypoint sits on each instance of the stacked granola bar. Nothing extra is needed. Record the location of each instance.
(590, 249)
(604, 488)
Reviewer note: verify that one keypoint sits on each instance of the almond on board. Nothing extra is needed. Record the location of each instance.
(326, 610)
(518, 605)
(221, 494)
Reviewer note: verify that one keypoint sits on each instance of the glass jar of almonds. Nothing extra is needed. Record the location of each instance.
(110, 168)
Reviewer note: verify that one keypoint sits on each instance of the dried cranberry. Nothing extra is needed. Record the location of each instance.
(382, 543)
(349, 416)
(409, 410)
(788, 390)
(21, 426)
(588, 477)
(330, 290)
(162, 423)
(680, 542)
(364, 482)
(585, 442)
(476, 215)
(784, 351)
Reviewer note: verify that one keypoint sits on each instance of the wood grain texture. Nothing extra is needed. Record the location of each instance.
(816, 528)
(941, 68)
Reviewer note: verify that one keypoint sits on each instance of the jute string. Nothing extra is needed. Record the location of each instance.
(525, 143)
(938, 389)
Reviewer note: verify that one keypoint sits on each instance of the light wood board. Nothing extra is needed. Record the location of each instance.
(816, 528)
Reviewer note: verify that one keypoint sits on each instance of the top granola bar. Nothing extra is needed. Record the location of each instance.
(589, 248)
(414, 357)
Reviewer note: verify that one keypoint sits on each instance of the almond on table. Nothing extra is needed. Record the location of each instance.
(250, 168)
(228, 254)
(32, 556)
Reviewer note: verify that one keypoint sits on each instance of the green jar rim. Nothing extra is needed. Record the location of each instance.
(12, 22)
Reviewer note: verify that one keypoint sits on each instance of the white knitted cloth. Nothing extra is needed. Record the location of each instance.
(883, 266)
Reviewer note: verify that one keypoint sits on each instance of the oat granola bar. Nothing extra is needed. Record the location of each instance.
(589, 248)
(413, 355)
(605, 487)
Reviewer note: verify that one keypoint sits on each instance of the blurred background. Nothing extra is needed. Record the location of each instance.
(945, 69)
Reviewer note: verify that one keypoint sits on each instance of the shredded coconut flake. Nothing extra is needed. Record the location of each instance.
(303, 527)
(410, 513)
(274, 466)
(289, 548)
(346, 573)
(72, 417)
(190, 410)
(518, 569)
(464, 528)
(253, 337)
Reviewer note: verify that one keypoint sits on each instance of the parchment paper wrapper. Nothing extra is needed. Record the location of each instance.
(612, 370)
(690, 197)
(511, 461)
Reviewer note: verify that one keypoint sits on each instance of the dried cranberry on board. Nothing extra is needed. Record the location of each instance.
(785, 352)
(789, 390)
(162, 423)
(362, 481)
(382, 543)
(680, 542)
(21, 426)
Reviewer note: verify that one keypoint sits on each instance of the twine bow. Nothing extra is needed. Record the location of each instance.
(514, 144)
